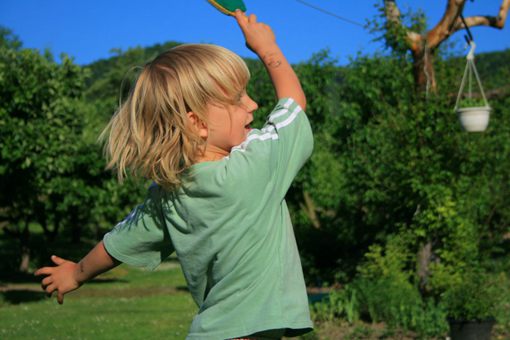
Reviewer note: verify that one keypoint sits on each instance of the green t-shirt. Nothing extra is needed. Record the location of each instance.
(231, 230)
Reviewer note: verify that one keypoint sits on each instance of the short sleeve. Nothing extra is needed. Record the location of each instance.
(142, 238)
(276, 153)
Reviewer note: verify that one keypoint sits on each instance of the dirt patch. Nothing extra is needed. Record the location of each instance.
(132, 292)
(9, 287)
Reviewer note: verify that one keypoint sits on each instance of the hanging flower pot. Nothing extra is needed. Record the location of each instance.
(473, 113)
(474, 117)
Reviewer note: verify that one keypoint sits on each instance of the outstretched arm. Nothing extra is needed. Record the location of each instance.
(67, 276)
(261, 40)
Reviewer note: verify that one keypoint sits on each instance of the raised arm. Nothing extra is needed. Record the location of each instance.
(67, 276)
(261, 40)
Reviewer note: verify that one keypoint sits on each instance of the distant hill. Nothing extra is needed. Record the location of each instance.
(107, 74)
(136, 56)
(494, 68)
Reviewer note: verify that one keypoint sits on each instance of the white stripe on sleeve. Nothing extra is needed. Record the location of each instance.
(269, 130)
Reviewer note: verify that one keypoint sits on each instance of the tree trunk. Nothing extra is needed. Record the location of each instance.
(24, 238)
(25, 259)
(423, 70)
(423, 46)
(310, 210)
(424, 258)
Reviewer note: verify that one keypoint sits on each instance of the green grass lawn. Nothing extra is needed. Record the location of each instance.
(126, 303)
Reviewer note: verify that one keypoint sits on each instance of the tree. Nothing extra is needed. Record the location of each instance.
(9, 40)
(40, 125)
(51, 166)
(423, 45)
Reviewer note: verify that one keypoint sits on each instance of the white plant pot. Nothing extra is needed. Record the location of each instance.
(474, 119)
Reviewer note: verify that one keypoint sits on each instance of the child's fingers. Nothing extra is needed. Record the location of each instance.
(57, 260)
(46, 281)
(50, 289)
(241, 18)
(60, 297)
(252, 19)
(44, 271)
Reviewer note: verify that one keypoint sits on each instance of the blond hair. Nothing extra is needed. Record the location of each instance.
(151, 135)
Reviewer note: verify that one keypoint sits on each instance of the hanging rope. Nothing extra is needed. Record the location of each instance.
(427, 75)
(470, 69)
(469, 38)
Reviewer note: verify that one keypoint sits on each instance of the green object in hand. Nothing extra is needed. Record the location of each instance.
(228, 7)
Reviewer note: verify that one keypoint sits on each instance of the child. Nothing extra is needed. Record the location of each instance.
(218, 198)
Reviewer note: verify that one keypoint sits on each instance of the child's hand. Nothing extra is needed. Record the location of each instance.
(259, 36)
(60, 278)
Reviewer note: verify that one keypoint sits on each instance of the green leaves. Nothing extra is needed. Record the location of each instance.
(389, 165)
(51, 174)
(390, 170)
(39, 122)
(478, 296)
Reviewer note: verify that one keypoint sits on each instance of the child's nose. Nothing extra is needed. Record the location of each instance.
(251, 105)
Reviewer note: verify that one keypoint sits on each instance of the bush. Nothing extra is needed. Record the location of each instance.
(340, 303)
(387, 291)
(479, 296)
(400, 305)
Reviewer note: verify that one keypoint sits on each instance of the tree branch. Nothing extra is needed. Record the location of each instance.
(392, 13)
(444, 27)
(485, 20)
(310, 210)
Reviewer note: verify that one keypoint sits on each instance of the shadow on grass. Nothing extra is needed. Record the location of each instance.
(17, 296)
(18, 277)
(19, 288)
(100, 280)
(182, 288)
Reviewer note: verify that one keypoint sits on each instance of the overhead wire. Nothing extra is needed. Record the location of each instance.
(330, 13)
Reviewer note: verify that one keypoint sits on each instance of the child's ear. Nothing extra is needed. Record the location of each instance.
(198, 124)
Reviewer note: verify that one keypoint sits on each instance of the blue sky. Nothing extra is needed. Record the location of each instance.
(88, 30)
